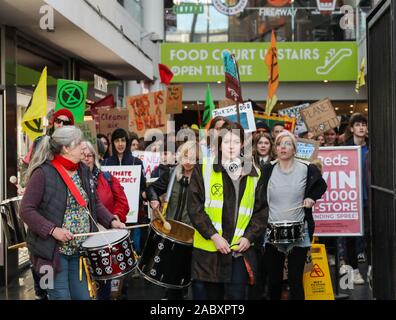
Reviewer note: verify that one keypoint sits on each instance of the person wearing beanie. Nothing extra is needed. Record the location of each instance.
(261, 126)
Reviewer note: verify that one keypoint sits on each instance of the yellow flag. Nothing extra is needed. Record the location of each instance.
(32, 122)
(271, 102)
(360, 82)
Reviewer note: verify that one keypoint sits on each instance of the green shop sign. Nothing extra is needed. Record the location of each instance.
(298, 61)
(188, 8)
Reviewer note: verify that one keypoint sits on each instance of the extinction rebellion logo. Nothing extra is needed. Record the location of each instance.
(230, 9)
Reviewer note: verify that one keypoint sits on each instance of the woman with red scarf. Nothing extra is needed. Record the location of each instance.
(60, 201)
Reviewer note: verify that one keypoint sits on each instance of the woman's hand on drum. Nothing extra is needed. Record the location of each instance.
(117, 224)
(308, 203)
(221, 244)
(62, 235)
(243, 244)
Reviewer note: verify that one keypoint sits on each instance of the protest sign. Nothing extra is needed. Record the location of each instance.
(233, 88)
(294, 112)
(246, 114)
(72, 95)
(105, 103)
(129, 177)
(340, 210)
(151, 160)
(88, 129)
(111, 119)
(288, 123)
(320, 117)
(174, 99)
(307, 150)
(147, 111)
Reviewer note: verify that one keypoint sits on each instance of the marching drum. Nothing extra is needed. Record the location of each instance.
(284, 232)
(166, 258)
(109, 255)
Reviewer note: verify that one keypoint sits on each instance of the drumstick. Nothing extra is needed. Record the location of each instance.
(109, 231)
(167, 226)
(292, 209)
(17, 246)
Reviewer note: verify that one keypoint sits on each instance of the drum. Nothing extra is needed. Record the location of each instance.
(109, 255)
(284, 232)
(166, 257)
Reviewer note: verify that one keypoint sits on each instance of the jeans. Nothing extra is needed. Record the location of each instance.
(67, 285)
(235, 290)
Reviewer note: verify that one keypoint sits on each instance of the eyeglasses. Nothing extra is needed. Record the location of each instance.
(64, 122)
(88, 156)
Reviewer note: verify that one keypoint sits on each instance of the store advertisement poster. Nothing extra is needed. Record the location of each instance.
(340, 210)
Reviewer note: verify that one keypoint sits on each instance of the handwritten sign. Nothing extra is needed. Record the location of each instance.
(88, 129)
(111, 119)
(246, 113)
(174, 99)
(320, 117)
(147, 111)
(129, 177)
(151, 160)
(307, 149)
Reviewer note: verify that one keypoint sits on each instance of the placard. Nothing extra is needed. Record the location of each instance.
(129, 177)
(151, 160)
(288, 123)
(294, 112)
(320, 117)
(111, 119)
(307, 149)
(340, 210)
(147, 111)
(88, 129)
(246, 113)
(174, 99)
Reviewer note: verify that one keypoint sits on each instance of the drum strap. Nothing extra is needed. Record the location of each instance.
(249, 271)
(69, 183)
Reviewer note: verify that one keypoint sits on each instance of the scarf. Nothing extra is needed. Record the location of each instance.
(67, 164)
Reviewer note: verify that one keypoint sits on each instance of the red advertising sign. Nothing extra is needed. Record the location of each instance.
(340, 211)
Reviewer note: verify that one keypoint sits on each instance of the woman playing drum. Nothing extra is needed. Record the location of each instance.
(59, 201)
(227, 216)
(289, 183)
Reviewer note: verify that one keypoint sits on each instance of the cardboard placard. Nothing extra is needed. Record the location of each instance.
(111, 119)
(307, 149)
(147, 111)
(174, 99)
(320, 117)
(88, 129)
(289, 123)
(246, 113)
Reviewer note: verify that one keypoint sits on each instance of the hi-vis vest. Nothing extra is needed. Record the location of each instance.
(214, 200)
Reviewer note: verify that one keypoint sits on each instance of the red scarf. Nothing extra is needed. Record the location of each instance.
(61, 165)
(67, 164)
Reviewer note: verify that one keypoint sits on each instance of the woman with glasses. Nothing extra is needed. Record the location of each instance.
(228, 216)
(111, 194)
(59, 202)
(290, 189)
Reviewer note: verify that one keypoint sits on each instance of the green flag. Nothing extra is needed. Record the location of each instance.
(72, 95)
(209, 107)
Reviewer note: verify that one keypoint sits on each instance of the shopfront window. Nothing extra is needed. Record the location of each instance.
(298, 20)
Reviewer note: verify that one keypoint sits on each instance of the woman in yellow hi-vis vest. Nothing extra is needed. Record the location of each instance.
(227, 217)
